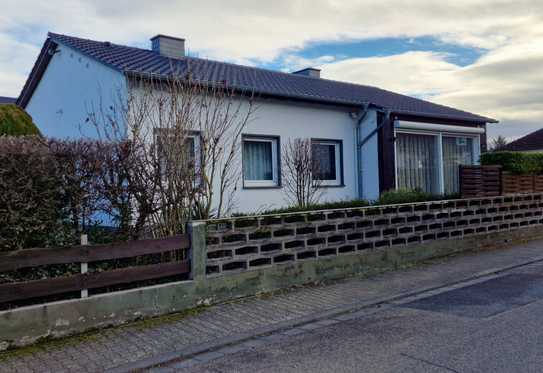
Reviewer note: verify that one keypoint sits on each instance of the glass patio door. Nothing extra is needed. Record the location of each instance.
(417, 163)
(457, 151)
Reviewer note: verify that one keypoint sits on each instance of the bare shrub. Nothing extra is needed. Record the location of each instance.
(185, 137)
(299, 168)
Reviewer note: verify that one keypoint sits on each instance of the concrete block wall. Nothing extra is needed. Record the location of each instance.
(248, 243)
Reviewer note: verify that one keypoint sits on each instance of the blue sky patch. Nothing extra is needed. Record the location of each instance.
(458, 55)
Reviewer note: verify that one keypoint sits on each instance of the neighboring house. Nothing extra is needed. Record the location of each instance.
(370, 140)
(7, 100)
(532, 142)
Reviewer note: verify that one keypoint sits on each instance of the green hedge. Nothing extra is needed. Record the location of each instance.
(387, 198)
(515, 162)
(16, 122)
(393, 197)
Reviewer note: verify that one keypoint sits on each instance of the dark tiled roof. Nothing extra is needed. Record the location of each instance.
(532, 141)
(264, 82)
(7, 100)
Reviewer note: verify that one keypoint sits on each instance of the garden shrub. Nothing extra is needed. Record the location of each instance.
(515, 162)
(16, 122)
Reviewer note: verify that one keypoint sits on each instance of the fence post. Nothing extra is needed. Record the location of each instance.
(84, 266)
(198, 250)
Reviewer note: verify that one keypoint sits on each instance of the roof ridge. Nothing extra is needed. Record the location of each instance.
(229, 63)
(126, 59)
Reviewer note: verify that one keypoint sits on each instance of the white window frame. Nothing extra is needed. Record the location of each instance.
(476, 147)
(196, 136)
(275, 162)
(338, 181)
(197, 157)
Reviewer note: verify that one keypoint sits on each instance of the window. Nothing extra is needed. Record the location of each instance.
(417, 162)
(172, 161)
(457, 151)
(260, 161)
(327, 162)
(430, 162)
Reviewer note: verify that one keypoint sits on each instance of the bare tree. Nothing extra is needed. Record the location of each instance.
(185, 139)
(299, 169)
(497, 144)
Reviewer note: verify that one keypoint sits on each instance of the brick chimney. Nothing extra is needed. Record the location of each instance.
(168, 46)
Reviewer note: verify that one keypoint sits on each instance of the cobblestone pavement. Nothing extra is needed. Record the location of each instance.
(113, 347)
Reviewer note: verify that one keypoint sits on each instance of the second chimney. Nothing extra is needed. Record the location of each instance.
(309, 71)
(168, 46)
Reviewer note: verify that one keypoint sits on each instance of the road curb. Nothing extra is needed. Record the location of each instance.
(220, 343)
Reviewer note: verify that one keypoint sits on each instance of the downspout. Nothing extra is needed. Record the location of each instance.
(362, 142)
(359, 119)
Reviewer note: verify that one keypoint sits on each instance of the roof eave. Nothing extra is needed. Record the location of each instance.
(475, 120)
(36, 73)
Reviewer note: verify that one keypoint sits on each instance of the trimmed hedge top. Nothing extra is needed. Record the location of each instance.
(16, 122)
(515, 162)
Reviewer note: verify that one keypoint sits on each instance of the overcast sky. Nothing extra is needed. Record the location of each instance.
(482, 56)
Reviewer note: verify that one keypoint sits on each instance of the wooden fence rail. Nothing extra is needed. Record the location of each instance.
(28, 258)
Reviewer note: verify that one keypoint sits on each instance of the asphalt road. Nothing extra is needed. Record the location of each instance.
(495, 325)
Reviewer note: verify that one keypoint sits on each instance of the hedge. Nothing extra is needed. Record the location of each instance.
(16, 122)
(515, 162)
(390, 197)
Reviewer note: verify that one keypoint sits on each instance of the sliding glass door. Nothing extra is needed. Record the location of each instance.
(417, 162)
(457, 151)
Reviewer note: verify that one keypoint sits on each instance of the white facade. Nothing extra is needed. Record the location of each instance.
(72, 86)
(288, 122)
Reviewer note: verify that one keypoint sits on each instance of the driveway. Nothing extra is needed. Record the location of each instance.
(492, 324)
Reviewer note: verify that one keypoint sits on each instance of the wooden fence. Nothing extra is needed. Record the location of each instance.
(480, 181)
(490, 181)
(31, 258)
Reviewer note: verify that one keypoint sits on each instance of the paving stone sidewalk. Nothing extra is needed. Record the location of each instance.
(119, 346)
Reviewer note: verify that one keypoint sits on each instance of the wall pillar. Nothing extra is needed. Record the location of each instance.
(198, 250)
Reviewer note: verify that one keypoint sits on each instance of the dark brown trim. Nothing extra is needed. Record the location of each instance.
(37, 72)
(387, 161)
(436, 120)
(483, 140)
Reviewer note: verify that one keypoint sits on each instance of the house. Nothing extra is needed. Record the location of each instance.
(7, 100)
(532, 143)
(370, 139)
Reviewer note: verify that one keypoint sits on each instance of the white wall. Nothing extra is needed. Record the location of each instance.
(301, 121)
(70, 87)
(73, 83)
(369, 172)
